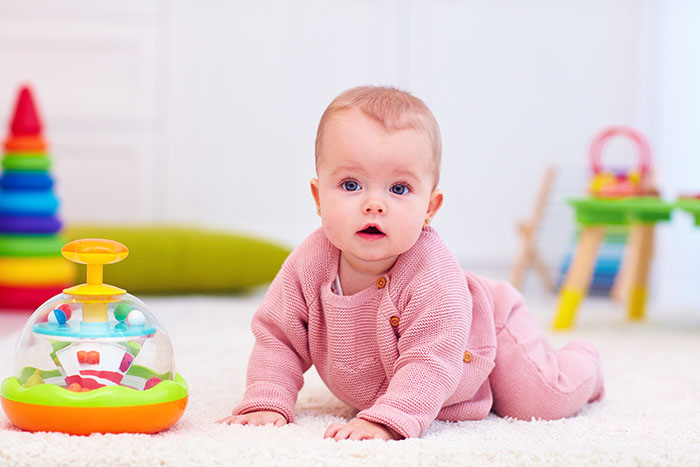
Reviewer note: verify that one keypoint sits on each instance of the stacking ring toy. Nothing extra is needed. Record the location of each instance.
(37, 203)
(30, 224)
(30, 245)
(29, 143)
(25, 180)
(26, 162)
(35, 271)
(94, 359)
(22, 298)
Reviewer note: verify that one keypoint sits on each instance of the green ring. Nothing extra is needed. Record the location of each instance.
(14, 162)
(107, 396)
(31, 245)
(26, 154)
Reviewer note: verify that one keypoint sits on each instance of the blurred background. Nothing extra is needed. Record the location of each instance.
(204, 113)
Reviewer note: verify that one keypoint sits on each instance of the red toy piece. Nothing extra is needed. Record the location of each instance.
(93, 357)
(608, 184)
(26, 298)
(25, 126)
(26, 120)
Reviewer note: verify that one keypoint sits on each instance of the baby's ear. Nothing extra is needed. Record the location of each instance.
(315, 194)
(436, 199)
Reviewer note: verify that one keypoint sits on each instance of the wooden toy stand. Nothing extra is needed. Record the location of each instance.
(529, 256)
(616, 199)
(594, 215)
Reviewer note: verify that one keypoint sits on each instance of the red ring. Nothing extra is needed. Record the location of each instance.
(607, 133)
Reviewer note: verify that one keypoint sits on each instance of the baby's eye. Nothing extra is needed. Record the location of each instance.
(399, 189)
(350, 185)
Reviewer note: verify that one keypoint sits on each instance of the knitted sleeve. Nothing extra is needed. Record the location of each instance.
(433, 331)
(280, 355)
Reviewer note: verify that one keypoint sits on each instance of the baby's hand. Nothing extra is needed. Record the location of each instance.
(358, 429)
(262, 417)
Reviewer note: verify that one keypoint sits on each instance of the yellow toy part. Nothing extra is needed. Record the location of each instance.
(569, 300)
(634, 177)
(94, 252)
(35, 271)
(602, 181)
(637, 303)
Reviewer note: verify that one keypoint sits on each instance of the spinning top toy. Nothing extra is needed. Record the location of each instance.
(94, 359)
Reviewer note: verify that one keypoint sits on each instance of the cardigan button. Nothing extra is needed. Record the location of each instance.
(394, 321)
(381, 283)
(467, 357)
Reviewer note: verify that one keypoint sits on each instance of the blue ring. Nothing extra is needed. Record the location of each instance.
(30, 224)
(19, 181)
(33, 203)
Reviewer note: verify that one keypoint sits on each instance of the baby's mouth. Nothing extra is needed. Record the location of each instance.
(371, 232)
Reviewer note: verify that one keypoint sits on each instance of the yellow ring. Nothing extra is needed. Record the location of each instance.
(36, 271)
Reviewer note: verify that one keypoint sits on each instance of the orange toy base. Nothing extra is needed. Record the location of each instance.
(86, 420)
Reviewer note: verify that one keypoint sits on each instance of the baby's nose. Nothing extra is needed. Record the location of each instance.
(374, 206)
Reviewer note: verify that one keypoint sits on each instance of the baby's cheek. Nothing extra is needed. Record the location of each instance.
(409, 230)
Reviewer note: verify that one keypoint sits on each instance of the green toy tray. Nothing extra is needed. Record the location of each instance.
(621, 211)
(692, 206)
(107, 396)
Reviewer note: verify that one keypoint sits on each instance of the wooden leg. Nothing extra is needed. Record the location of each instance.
(621, 287)
(578, 278)
(524, 258)
(543, 271)
(642, 248)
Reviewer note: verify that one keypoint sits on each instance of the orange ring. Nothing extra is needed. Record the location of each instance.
(150, 418)
(25, 144)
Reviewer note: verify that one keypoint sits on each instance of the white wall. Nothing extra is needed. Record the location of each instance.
(514, 86)
(94, 70)
(205, 112)
(673, 111)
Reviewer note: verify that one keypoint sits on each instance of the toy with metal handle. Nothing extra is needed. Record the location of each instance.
(94, 295)
(612, 185)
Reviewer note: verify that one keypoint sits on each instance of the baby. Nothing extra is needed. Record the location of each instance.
(378, 304)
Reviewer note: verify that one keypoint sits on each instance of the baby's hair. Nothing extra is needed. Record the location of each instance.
(392, 108)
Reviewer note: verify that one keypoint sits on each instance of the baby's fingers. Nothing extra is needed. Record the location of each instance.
(281, 421)
(332, 430)
(231, 419)
(358, 434)
(343, 433)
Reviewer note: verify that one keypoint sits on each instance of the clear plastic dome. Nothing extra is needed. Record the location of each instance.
(94, 359)
(60, 345)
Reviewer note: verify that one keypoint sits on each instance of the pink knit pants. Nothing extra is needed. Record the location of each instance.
(532, 379)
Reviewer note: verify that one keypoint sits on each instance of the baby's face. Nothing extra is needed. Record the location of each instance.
(374, 187)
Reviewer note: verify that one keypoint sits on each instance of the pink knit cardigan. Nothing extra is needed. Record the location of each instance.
(416, 346)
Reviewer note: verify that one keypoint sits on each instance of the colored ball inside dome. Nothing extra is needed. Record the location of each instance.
(135, 318)
(66, 309)
(121, 311)
(57, 316)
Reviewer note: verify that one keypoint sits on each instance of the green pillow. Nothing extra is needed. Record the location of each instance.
(167, 260)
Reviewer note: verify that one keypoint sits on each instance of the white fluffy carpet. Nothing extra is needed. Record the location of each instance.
(650, 416)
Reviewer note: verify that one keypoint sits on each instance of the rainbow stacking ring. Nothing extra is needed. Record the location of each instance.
(30, 224)
(35, 203)
(24, 162)
(30, 245)
(26, 180)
